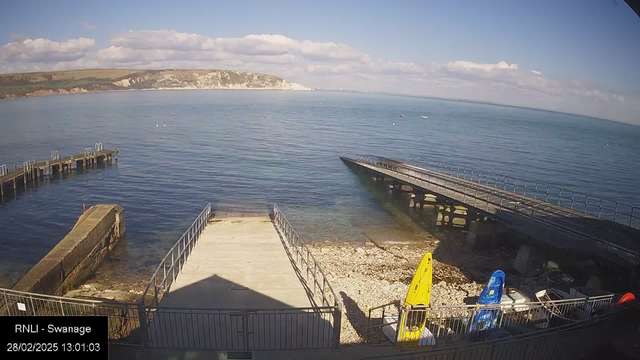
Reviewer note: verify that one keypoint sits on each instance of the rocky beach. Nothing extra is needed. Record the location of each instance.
(367, 275)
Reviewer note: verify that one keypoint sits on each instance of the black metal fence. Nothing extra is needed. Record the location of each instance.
(571, 341)
(452, 324)
(124, 318)
(241, 329)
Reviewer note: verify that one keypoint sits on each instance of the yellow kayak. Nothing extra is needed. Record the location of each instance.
(419, 294)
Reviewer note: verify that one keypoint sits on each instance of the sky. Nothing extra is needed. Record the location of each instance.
(576, 56)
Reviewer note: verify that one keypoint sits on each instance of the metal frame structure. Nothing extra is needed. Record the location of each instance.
(124, 319)
(451, 324)
(306, 264)
(526, 216)
(570, 341)
(170, 266)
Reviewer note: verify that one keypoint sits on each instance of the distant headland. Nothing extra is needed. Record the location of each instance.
(90, 80)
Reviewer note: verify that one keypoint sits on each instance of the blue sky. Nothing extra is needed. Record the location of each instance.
(585, 48)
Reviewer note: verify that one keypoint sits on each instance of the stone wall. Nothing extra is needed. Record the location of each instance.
(78, 254)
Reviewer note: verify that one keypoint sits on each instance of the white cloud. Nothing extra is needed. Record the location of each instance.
(323, 64)
(88, 25)
(250, 45)
(45, 50)
(466, 66)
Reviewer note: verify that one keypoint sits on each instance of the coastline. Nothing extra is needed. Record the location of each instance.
(72, 92)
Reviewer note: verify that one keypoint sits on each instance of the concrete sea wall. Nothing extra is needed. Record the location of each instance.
(78, 254)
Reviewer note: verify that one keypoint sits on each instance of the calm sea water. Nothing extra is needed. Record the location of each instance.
(180, 150)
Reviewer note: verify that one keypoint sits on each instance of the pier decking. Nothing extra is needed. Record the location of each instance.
(238, 262)
(33, 171)
(615, 237)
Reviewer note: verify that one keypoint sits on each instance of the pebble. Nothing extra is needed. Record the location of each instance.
(364, 277)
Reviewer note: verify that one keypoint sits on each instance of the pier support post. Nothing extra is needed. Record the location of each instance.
(528, 258)
(485, 233)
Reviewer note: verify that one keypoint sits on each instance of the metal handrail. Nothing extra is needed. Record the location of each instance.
(545, 343)
(305, 257)
(177, 255)
(124, 318)
(454, 323)
(3, 170)
(495, 202)
(585, 203)
(29, 295)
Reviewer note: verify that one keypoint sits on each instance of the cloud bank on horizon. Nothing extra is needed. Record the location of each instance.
(322, 65)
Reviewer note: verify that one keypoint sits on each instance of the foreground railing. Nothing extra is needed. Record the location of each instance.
(500, 202)
(570, 341)
(124, 318)
(450, 324)
(615, 211)
(170, 266)
(309, 271)
(241, 329)
(307, 265)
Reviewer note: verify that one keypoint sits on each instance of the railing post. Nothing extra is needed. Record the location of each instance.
(546, 198)
(245, 329)
(173, 268)
(337, 325)
(142, 318)
(615, 212)
(586, 203)
(560, 196)
(600, 209)
(631, 216)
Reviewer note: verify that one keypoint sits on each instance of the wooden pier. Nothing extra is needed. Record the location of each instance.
(33, 171)
(580, 232)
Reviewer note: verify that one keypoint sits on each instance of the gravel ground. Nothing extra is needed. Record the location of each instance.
(368, 275)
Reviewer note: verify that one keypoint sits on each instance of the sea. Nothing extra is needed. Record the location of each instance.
(180, 150)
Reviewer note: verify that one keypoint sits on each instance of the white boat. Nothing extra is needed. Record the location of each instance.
(515, 297)
(390, 325)
(424, 116)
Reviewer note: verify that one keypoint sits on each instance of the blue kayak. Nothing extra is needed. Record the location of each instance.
(491, 294)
